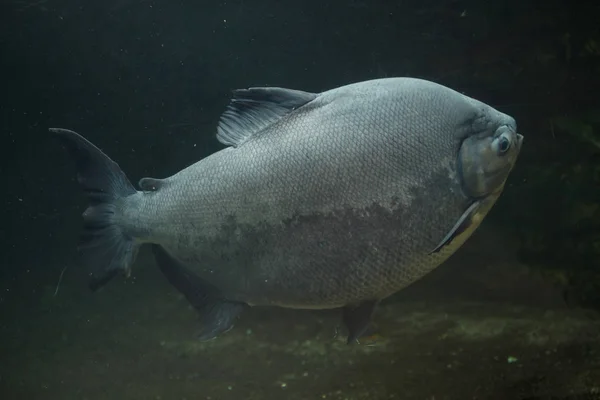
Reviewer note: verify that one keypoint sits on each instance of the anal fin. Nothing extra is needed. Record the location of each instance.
(357, 319)
(217, 315)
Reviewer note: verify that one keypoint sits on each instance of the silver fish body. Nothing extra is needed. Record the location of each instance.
(322, 200)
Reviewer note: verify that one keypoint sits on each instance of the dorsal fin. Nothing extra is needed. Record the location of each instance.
(150, 184)
(252, 110)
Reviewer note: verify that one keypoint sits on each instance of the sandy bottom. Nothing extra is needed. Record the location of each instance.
(135, 340)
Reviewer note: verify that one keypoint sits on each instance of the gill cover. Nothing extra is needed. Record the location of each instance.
(484, 162)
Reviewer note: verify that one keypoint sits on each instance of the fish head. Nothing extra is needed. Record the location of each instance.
(486, 159)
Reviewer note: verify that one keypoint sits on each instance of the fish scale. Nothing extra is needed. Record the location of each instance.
(255, 168)
(328, 200)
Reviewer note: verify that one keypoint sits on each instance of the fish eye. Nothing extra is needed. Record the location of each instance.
(503, 145)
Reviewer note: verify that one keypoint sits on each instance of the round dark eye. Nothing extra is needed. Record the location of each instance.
(503, 145)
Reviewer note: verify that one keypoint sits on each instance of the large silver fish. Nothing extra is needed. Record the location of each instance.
(328, 200)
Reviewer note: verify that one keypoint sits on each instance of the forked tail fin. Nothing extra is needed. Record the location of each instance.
(105, 248)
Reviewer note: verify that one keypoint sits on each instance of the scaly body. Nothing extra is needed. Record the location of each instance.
(322, 201)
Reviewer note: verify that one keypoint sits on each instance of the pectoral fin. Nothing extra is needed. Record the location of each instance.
(463, 223)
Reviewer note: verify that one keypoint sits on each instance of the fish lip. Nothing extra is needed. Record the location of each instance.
(519, 143)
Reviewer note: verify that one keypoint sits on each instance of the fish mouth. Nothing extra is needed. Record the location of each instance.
(520, 140)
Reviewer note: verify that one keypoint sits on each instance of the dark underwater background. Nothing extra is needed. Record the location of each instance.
(515, 314)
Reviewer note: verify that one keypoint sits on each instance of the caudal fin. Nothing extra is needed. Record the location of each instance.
(106, 249)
